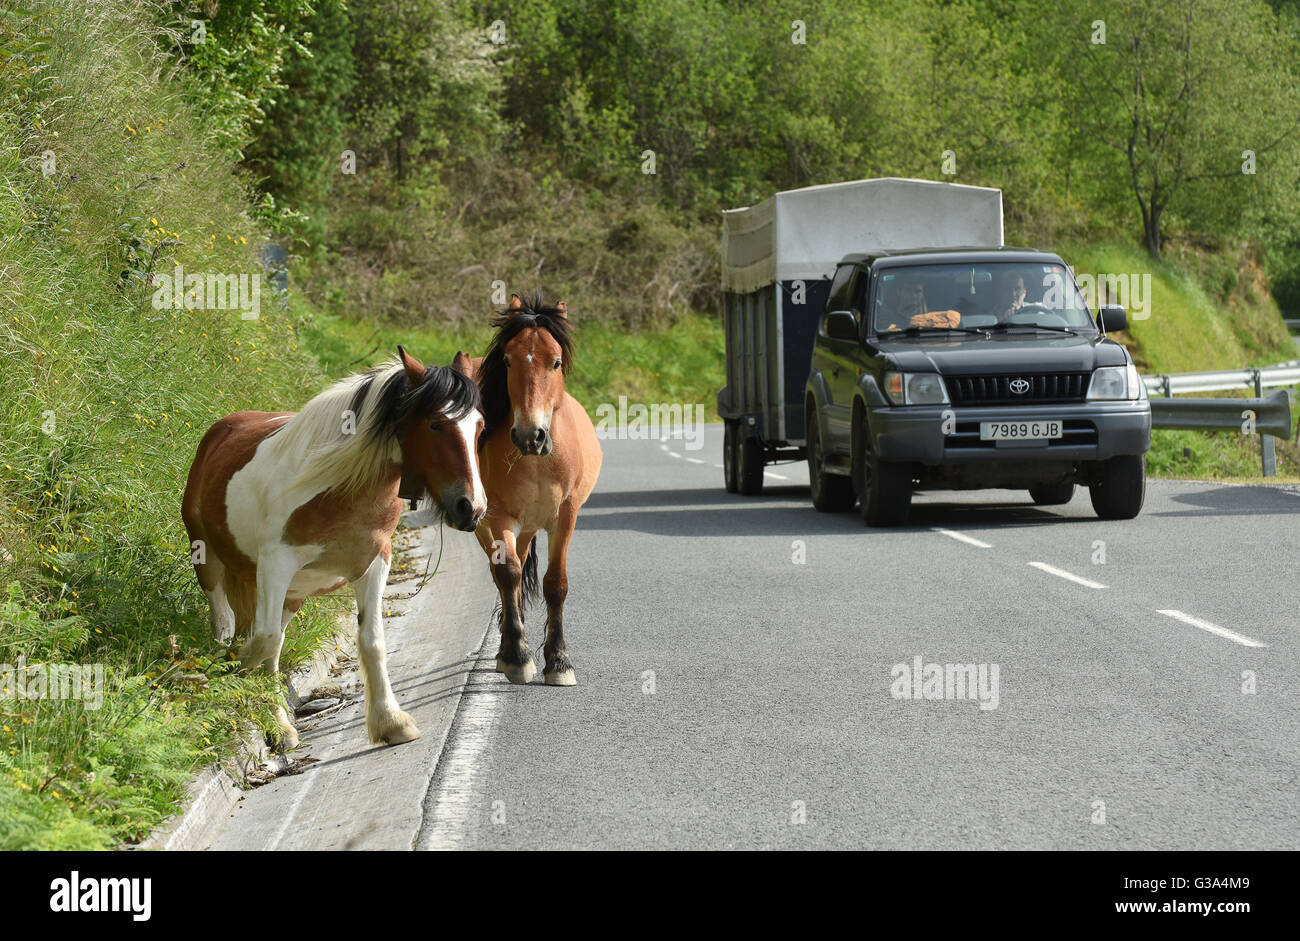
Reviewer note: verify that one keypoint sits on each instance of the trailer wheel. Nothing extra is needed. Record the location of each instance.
(749, 466)
(730, 476)
(831, 493)
(1119, 487)
(884, 487)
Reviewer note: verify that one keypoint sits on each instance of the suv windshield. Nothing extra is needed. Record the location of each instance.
(973, 296)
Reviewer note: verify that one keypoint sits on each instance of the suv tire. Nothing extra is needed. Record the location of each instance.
(1119, 487)
(1052, 494)
(831, 493)
(884, 487)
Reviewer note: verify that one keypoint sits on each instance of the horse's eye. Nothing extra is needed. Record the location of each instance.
(557, 364)
(435, 426)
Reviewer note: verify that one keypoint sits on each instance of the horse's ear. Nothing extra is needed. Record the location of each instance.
(563, 308)
(414, 368)
(515, 305)
(462, 364)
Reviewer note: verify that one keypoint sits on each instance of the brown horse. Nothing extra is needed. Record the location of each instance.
(281, 506)
(540, 457)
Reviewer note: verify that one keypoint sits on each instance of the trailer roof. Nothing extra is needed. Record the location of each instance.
(803, 233)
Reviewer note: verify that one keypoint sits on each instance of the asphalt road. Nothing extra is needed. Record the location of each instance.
(735, 658)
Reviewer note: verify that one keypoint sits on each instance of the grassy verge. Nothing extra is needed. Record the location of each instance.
(1209, 310)
(106, 396)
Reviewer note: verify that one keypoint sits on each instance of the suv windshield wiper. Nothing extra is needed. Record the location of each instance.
(1003, 327)
(917, 331)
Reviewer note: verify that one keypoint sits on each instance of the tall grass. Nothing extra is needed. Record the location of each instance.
(104, 400)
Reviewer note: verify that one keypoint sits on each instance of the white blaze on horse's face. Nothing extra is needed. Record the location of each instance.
(445, 454)
(535, 381)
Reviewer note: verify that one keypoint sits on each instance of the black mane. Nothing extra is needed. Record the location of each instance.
(492, 371)
(444, 392)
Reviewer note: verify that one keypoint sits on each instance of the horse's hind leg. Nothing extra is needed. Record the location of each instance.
(385, 720)
(514, 658)
(555, 588)
(221, 616)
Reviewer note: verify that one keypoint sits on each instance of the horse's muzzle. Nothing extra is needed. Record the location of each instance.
(463, 514)
(536, 441)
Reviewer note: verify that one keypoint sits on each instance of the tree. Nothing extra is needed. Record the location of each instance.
(1195, 95)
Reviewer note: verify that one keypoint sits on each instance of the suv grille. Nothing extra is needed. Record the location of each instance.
(1042, 387)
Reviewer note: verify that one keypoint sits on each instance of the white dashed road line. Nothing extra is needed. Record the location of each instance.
(962, 537)
(1213, 628)
(1061, 573)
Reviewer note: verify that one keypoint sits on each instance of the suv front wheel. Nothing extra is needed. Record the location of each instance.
(831, 493)
(884, 487)
(1119, 486)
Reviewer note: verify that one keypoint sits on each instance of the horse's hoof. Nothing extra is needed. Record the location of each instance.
(561, 678)
(393, 729)
(517, 672)
(288, 739)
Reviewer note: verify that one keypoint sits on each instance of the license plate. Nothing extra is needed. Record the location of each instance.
(1020, 430)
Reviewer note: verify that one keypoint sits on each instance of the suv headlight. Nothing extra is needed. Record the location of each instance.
(1115, 382)
(915, 388)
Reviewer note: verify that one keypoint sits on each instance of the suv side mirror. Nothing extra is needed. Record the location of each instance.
(1111, 318)
(841, 325)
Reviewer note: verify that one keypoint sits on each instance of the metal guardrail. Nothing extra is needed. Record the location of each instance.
(1268, 377)
(1266, 417)
(1269, 416)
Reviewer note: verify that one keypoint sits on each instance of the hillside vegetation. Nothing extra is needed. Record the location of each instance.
(105, 400)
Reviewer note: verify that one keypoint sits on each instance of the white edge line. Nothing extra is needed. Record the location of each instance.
(962, 537)
(1061, 573)
(776, 475)
(1213, 628)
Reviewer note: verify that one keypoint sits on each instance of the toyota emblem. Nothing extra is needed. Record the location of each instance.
(1019, 386)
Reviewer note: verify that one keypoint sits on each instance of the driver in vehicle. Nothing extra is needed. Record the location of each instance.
(911, 308)
(1011, 296)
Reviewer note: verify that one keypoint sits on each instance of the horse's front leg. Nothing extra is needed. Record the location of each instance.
(555, 588)
(514, 657)
(276, 567)
(385, 720)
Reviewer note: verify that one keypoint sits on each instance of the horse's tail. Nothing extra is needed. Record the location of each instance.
(531, 590)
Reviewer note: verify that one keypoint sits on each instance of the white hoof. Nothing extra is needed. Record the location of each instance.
(288, 734)
(523, 673)
(392, 728)
(561, 678)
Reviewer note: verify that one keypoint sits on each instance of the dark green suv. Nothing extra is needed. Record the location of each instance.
(970, 369)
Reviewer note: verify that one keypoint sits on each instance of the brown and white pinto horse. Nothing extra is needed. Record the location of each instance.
(281, 506)
(540, 458)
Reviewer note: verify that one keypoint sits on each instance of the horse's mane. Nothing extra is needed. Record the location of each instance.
(492, 371)
(382, 401)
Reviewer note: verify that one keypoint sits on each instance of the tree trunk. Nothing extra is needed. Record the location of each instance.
(1151, 235)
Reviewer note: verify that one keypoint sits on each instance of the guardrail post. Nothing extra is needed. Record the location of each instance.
(1267, 447)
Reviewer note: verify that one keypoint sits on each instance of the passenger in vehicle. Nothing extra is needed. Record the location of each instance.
(911, 309)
